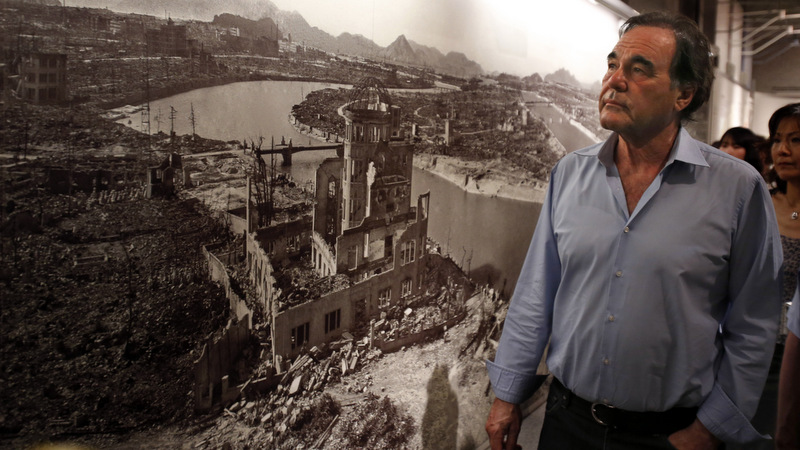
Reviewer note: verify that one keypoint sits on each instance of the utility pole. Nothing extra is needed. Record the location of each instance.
(192, 120)
(146, 108)
(157, 118)
(172, 112)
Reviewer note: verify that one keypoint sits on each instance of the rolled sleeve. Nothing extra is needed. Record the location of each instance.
(511, 386)
(724, 419)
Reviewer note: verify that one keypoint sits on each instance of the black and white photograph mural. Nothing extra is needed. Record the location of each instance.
(279, 223)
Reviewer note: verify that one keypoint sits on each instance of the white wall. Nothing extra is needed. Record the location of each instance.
(765, 105)
(731, 106)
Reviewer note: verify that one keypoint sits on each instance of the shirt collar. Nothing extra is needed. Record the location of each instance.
(685, 149)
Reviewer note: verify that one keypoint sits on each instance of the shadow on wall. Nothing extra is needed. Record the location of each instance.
(440, 421)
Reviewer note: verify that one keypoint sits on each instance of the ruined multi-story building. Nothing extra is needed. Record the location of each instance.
(42, 77)
(366, 240)
(169, 40)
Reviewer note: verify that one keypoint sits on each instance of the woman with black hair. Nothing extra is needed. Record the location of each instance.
(784, 133)
(744, 144)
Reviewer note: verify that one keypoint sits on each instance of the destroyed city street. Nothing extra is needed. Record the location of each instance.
(166, 286)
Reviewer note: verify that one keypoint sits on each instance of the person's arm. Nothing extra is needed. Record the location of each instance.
(526, 329)
(787, 430)
(750, 327)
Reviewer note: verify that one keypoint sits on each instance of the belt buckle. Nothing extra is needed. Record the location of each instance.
(594, 413)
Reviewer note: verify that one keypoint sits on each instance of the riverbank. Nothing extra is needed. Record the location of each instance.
(176, 88)
(492, 178)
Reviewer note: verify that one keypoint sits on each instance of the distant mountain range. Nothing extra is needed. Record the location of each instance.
(400, 51)
(293, 25)
(409, 52)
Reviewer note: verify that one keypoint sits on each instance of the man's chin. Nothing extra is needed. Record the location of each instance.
(611, 124)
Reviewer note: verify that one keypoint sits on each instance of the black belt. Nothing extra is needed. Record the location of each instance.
(649, 422)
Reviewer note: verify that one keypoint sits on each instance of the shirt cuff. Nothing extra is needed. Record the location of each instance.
(725, 421)
(793, 316)
(512, 386)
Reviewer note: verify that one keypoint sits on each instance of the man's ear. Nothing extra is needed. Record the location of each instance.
(685, 96)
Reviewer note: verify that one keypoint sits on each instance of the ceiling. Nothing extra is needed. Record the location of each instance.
(757, 5)
(771, 28)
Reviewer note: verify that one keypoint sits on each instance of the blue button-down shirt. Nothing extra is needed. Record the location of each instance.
(673, 305)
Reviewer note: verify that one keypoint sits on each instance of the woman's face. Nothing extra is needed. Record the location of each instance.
(786, 149)
(730, 147)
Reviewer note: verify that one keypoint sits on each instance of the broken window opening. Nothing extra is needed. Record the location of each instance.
(406, 287)
(300, 335)
(384, 297)
(388, 245)
(333, 321)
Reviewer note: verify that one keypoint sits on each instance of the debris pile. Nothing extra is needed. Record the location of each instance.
(401, 322)
(300, 283)
(296, 411)
(376, 423)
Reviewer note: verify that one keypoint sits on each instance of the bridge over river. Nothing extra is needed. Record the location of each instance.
(287, 150)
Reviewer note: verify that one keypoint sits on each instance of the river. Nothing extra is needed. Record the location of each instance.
(242, 111)
(486, 236)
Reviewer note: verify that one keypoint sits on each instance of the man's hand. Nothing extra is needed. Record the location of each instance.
(503, 425)
(694, 437)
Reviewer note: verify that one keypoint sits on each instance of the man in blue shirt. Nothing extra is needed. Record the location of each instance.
(654, 271)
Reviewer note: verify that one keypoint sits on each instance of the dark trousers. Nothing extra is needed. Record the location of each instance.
(568, 424)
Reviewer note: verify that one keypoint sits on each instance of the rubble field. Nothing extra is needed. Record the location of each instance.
(103, 311)
(104, 298)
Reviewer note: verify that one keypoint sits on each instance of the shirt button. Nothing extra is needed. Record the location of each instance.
(606, 361)
(626, 229)
(619, 273)
(611, 318)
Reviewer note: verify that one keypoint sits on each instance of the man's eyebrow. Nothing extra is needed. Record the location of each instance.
(639, 59)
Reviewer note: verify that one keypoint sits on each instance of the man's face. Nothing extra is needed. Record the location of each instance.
(637, 98)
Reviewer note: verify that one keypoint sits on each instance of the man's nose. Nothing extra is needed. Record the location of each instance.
(617, 80)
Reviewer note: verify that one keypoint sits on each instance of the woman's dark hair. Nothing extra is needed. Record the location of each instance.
(691, 64)
(753, 145)
(790, 110)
